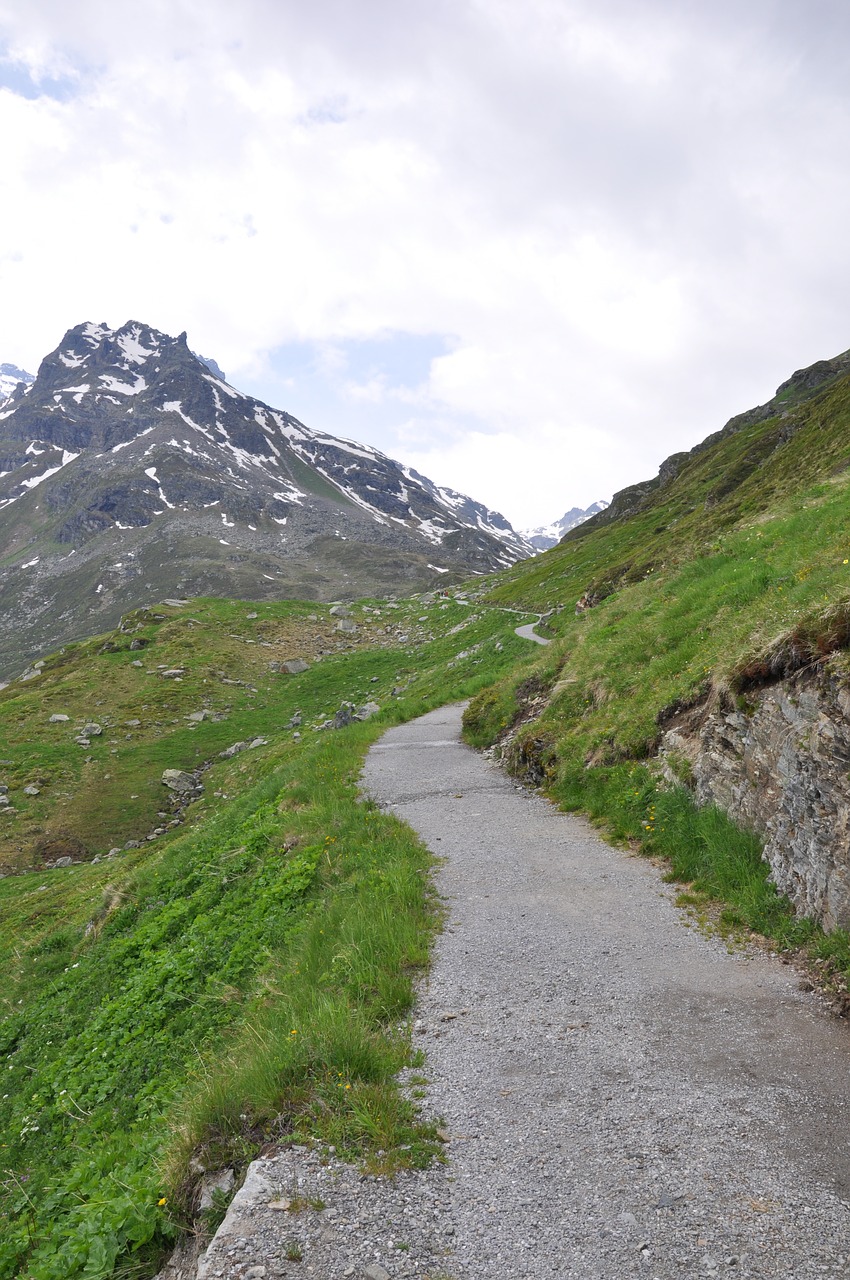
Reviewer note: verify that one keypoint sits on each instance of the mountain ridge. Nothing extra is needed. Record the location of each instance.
(546, 536)
(130, 470)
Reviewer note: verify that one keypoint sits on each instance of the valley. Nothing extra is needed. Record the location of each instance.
(208, 976)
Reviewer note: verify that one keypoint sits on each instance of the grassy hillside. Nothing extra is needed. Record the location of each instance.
(245, 974)
(734, 573)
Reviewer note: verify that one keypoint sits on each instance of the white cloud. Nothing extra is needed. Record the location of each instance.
(627, 218)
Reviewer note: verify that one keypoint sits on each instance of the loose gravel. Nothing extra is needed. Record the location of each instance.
(622, 1095)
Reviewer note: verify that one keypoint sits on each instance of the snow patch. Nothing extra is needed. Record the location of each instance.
(133, 348)
(290, 494)
(126, 444)
(51, 471)
(123, 388)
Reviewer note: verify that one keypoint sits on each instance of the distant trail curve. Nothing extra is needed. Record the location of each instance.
(527, 632)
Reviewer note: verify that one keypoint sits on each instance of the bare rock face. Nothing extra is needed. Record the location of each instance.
(783, 770)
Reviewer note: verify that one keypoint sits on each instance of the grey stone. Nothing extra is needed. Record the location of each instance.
(137, 663)
(222, 1182)
(173, 673)
(32, 790)
(346, 626)
(783, 771)
(376, 1272)
(340, 611)
(368, 710)
(63, 862)
(178, 780)
(132, 724)
(344, 716)
(294, 666)
(58, 718)
(198, 716)
(91, 730)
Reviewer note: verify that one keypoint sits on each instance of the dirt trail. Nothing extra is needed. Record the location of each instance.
(623, 1096)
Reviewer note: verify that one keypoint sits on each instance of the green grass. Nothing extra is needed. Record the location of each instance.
(245, 978)
(705, 850)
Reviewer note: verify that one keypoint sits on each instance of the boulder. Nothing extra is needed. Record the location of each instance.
(294, 666)
(91, 730)
(58, 718)
(179, 781)
(366, 711)
(346, 625)
(340, 611)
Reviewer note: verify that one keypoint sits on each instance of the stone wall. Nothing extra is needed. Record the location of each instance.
(782, 769)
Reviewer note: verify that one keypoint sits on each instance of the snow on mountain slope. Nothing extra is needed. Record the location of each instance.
(10, 376)
(549, 535)
(127, 450)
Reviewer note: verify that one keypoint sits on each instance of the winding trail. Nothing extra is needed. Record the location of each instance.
(622, 1096)
(527, 632)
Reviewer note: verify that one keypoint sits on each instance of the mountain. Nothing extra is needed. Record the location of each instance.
(130, 470)
(10, 376)
(549, 535)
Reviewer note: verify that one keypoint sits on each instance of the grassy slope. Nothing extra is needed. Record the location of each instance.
(246, 975)
(241, 978)
(736, 572)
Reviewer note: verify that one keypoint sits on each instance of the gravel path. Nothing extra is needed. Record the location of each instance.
(623, 1097)
(527, 632)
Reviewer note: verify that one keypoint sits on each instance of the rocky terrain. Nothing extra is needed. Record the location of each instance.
(130, 470)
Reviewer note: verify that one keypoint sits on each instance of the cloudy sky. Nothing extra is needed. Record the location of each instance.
(529, 246)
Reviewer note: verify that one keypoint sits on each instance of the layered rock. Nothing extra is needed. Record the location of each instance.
(783, 770)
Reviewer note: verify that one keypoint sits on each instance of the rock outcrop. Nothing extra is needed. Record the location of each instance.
(782, 768)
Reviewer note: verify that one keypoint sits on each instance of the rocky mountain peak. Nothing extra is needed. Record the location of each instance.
(10, 379)
(134, 456)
